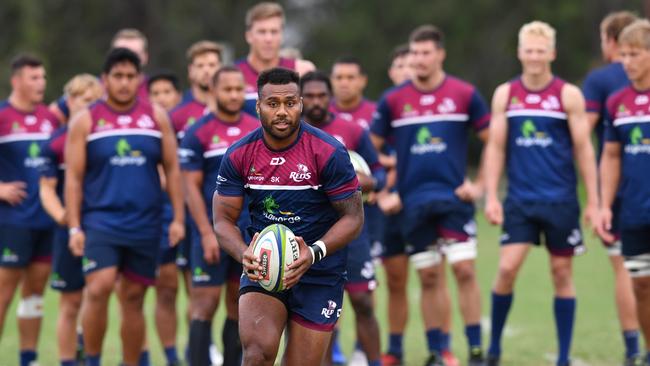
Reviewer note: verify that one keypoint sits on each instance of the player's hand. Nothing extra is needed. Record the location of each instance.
(77, 243)
(388, 161)
(252, 266)
(468, 191)
(389, 202)
(367, 183)
(604, 225)
(13, 192)
(210, 246)
(591, 216)
(298, 268)
(494, 211)
(176, 232)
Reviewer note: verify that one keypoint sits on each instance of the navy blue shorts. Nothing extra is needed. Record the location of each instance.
(635, 240)
(216, 274)
(67, 275)
(614, 248)
(393, 240)
(135, 259)
(438, 222)
(525, 222)
(313, 306)
(184, 249)
(21, 246)
(375, 221)
(360, 268)
(179, 254)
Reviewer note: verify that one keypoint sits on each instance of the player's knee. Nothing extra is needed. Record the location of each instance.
(363, 305)
(71, 304)
(30, 307)
(204, 304)
(561, 275)
(98, 290)
(642, 288)
(464, 272)
(429, 278)
(507, 274)
(166, 296)
(255, 354)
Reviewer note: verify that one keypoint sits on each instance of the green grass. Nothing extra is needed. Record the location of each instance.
(529, 341)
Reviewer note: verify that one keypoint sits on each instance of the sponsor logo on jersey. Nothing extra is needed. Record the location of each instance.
(531, 137)
(46, 126)
(278, 161)
(127, 156)
(639, 144)
(124, 120)
(550, 103)
(254, 175)
(447, 105)
(33, 159)
(145, 121)
(9, 256)
(515, 103)
(16, 127)
(273, 212)
(425, 143)
(641, 99)
(302, 174)
(575, 238)
(30, 120)
(427, 100)
(233, 131)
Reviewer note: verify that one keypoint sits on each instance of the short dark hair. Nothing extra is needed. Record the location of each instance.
(350, 60)
(614, 23)
(222, 70)
(119, 55)
(164, 75)
(316, 76)
(428, 32)
(24, 60)
(399, 51)
(277, 76)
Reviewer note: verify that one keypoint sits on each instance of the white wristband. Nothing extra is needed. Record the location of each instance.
(322, 246)
(74, 230)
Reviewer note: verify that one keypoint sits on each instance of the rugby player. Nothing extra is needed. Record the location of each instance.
(164, 90)
(538, 125)
(113, 199)
(625, 162)
(297, 175)
(264, 33)
(316, 91)
(422, 116)
(67, 276)
(597, 87)
(202, 150)
(26, 231)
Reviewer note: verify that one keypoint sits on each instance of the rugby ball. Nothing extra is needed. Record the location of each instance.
(276, 247)
(359, 164)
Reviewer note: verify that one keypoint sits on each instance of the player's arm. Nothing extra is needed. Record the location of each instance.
(75, 160)
(592, 119)
(479, 116)
(193, 185)
(594, 95)
(367, 151)
(172, 175)
(574, 105)
(610, 175)
(50, 200)
(304, 66)
(494, 154)
(13, 192)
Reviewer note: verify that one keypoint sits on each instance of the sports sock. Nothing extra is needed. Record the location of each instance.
(564, 309)
(445, 341)
(647, 357)
(631, 340)
(144, 359)
(27, 357)
(170, 354)
(232, 352)
(68, 363)
(473, 334)
(200, 342)
(395, 344)
(433, 340)
(93, 360)
(357, 345)
(374, 363)
(500, 309)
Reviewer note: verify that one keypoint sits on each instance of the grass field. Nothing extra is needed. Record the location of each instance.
(530, 333)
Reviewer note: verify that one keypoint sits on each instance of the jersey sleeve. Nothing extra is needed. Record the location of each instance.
(190, 153)
(48, 168)
(381, 119)
(229, 180)
(62, 104)
(338, 177)
(479, 114)
(611, 133)
(593, 93)
(369, 154)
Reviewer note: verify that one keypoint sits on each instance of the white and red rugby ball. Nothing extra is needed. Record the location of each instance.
(276, 247)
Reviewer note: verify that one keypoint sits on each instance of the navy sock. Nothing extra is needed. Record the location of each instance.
(500, 309)
(445, 341)
(93, 360)
(564, 309)
(170, 354)
(144, 359)
(357, 345)
(631, 340)
(433, 340)
(27, 357)
(473, 334)
(647, 357)
(395, 344)
(68, 363)
(374, 363)
(200, 335)
(232, 351)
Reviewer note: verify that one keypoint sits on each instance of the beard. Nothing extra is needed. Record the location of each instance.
(317, 115)
(229, 111)
(268, 126)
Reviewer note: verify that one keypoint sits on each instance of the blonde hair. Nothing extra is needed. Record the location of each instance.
(130, 33)
(263, 11)
(537, 28)
(636, 34)
(201, 47)
(79, 84)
